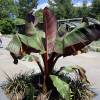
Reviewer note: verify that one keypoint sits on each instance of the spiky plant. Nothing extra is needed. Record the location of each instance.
(19, 87)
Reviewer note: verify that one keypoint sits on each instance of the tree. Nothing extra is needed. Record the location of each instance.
(85, 10)
(62, 8)
(7, 7)
(39, 15)
(96, 6)
(25, 6)
(81, 11)
(16, 7)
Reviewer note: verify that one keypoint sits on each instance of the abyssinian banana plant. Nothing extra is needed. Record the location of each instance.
(52, 43)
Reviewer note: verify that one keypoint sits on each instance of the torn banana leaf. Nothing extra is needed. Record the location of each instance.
(78, 38)
(14, 45)
(59, 44)
(35, 41)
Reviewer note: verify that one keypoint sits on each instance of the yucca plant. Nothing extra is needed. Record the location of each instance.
(51, 45)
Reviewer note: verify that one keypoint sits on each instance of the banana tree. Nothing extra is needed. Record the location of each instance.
(52, 44)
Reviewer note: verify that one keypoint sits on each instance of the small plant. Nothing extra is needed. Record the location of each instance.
(19, 87)
(51, 45)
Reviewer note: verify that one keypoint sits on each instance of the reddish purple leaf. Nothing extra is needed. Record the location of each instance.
(50, 29)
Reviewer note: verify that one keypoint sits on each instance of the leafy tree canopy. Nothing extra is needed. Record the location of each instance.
(18, 8)
(25, 6)
(96, 6)
(7, 7)
(62, 8)
(39, 15)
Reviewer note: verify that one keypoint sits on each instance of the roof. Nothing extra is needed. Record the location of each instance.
(76, 21)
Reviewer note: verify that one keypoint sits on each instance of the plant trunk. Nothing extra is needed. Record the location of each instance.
(48, 67)
(46, 79)
(45, 75)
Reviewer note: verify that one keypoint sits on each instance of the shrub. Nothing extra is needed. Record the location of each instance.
(19, 21)
(98, 17)
(7, 26)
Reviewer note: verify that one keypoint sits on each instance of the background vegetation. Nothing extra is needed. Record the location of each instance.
(70, 11)
(14, 10)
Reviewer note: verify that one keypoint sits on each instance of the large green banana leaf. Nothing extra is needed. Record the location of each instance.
(75, 36)
(15, 45)
(59, 39)
(66, 45)
(59, 44)
(35, 41)
(61, 86)
(76, 39)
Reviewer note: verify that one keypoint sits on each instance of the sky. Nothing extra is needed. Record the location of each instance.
(43, 3)
(74, 1)
(79, 2)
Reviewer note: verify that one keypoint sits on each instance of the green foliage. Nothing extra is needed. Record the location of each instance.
(14, 45)
(96, 7)
(69, 38)
(28, 58)
(19, 21)
(95, 46)
(76, 36)
(6, 7)
(29, 92)
(98, 17)
(77, 81)
(82, 10)
(7, 26)
(85, 9)
(59, 6)
(24, 6)
(19, 86)
(61, 86)
(18, 8)
(39, 15)
(95, 43)
(69, 11)
(38, 44)
(70, 82)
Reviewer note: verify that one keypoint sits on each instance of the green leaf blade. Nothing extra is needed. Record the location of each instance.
(14, 45)
(61, 86)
